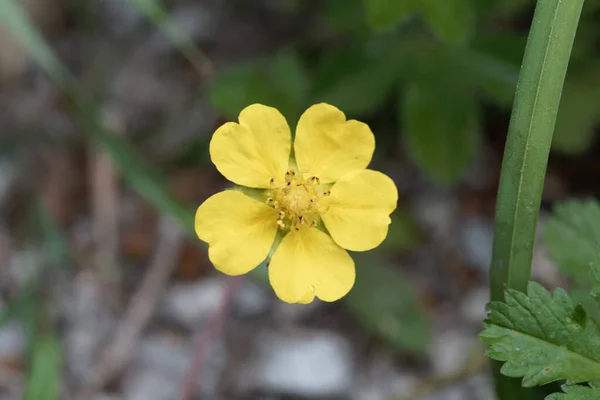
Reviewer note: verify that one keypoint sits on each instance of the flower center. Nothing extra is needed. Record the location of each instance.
(297, 200)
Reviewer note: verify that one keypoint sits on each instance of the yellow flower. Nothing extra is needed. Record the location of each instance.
(322, 199)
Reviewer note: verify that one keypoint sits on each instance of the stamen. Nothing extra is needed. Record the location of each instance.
(289, 176)
(296, 200)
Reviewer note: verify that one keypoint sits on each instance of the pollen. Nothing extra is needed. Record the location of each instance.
(297, 200)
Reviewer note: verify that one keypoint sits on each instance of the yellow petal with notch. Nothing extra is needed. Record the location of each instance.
(254, 150)
(328, 146)
(357, 213)
(308, 263)
(238, 229)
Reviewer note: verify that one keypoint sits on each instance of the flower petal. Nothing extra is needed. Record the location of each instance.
(357, 213)
(238, 229)
(255, 150)
(328, 146)
(308, 263)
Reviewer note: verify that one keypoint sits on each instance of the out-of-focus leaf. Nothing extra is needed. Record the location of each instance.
(578, 115)
(439, 114)
(280, 82)
(571, 236)
(505, 8)
(403, 234)
(346, 15)
(45, 375)
(386, 306)
(385, 14)
(494, 62)
(357, 80)
(451, 20)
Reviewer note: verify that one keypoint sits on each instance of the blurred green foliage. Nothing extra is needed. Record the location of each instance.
(571, 236)
(386, 305)
(439, 61)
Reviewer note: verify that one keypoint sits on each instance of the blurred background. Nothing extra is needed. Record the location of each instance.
(106, 293)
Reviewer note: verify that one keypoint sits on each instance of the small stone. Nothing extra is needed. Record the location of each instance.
(435, 211)
(170, 358)
(252, 299)
(286, 313)
(12, 341)
(190, 304)
(381, 379)
(311, 364)
(473, 305)
(476, 240)
(451, 349)
(147, 384)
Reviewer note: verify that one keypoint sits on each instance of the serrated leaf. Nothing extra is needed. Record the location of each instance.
(542, 338)
(451, 20)
(386, 306)
(440, 120)
(385, 14)
(279, 81)
(576, 392)
(571, 236)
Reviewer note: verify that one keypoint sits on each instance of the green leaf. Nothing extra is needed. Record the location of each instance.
(451, 20)
(385, 304)
(357, 80)
(494, 62)
(404, 233)
(385, 14)
(279, 81)
(44, 378)
(578, 115)
(576, 392)
(571, 236)
(542, 338)
(441, 126)
(346, 15)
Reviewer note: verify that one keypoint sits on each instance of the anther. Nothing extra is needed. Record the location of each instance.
(272, 182)
(280, 224)
(315, 180)
(327, 193)
(281, 215)
(313, 224)
(289, 175)
(301, 219)
(270, 201)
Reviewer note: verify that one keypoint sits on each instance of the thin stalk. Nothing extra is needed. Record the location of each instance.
(526, 154)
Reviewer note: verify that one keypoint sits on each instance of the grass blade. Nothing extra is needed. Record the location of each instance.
(526, 154)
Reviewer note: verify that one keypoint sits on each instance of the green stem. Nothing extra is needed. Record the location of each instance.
(526, 153)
